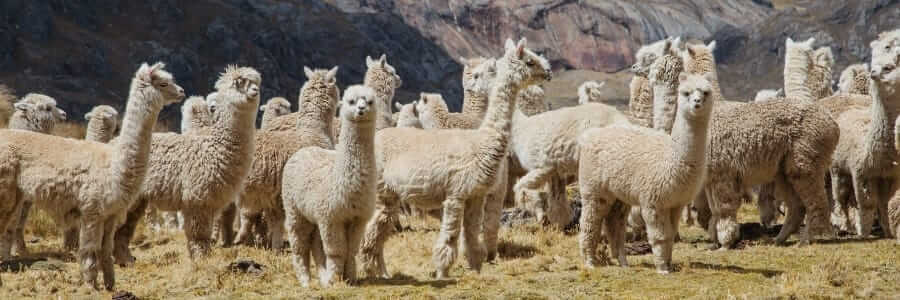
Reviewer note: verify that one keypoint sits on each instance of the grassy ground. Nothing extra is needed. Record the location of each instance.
(535, 264)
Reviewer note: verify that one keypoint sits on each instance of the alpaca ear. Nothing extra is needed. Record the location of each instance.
(601, 84)
(398, 105)
(23, 106)
(708, 76)
(667, 46)
(510, 45)
(382, 60)
(262, 108)
(156, 67)
(332, 74)
(789, 41)
(677, 44)
(711, 46)
(423, 98)
(369, 61)
(810, 41)
(308, 72)
(143, 72)
(520, 48)
(62, 114)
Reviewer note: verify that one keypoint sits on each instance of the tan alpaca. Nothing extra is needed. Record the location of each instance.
(95, 185)
(274, 108)
(200, 188)
(336, 211)
(854, 80)
(449, 168)
(661, 173)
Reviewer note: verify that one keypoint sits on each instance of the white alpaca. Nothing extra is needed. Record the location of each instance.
(407, 116)
(200, 188)
(661, 173)
(590, 91)
(763, 95)
(35, 113)
(331, 193)
(94, 185)
(103, 120)
(274, 108)
(449, 168)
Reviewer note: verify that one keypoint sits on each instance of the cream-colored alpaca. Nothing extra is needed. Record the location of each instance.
(449, 168)
(312, 127)
(866, 156)
(407, 116)
(95, 185)
(196, 115)
(383, 78)
(331, 193)
(436, 114)
(200, 188)
(640, 103)
(661, 173)
(35, 113)
(274, 108)
(103, 120)
(590, 91)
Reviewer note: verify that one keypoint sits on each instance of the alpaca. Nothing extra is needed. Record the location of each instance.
(35, 113)
(312, 127)
(798, 64)
(407, 116)
(854, 80)
(288, 121)
(699, 60)
(103, 120)
(340, 210)
(475, 88)
(7, 96)
(274, 108)
(434, 113)
(196, 115)
(763, 95)
(589, 91)
(640, 104)
(865, 156)
(449, 168)
(383, 78)
(532, 100)
(200, 189)
(95, 185)
(820, 74)
(661, 173)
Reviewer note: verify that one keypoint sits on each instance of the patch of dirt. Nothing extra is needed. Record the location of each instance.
(246, 266)
(124, 295)
(638, 248)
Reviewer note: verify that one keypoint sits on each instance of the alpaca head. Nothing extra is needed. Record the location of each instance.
(478, 74)
(407, 115)
(885, 58)
(154, 78)
(763, 95)
(358, 104)
(531, 100)
(527, 67)
(665, 69)
(590, 91)
(39, 111)
(855, 79)
(431, 107)
(276, 106)
(195, 113)
(648, 54)
(800, 49)
(380, 70)
(320, 92)
(695, 95)
(696, 57)
(105, 115)
(243, 80)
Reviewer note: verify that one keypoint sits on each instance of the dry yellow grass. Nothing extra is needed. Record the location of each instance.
(535, 264)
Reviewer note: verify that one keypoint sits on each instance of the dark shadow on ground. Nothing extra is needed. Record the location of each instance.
(507, 249)
(403, 279)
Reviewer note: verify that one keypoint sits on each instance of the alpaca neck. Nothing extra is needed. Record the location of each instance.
(236, 126)
(884, 111)
(498, 121)
(267, 118)
(355, 161)
(474, 103)
(796, 76)
(132, 148)
(690, 139)
(665, 105)
(380, 81)
(312, 117)
(98, 132)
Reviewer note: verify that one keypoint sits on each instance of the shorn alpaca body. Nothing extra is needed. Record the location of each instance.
(866, 154)
(647, 168)
(95, 185)
(332, 192)
(35, 113)
(312, 127)
(200, 188)
(449, 168)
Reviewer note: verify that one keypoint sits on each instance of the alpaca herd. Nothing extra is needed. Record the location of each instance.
(334, 175)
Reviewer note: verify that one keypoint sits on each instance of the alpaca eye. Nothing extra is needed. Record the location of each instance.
(685, 94)
(530, 63)
(163, 84)
(476, 76)
(351, 101)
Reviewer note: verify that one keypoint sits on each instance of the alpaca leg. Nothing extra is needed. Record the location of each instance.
(245, 233)
(300, 232)
(275, 223)
(445, 247)
(260, 229)
(674, 221)
(70, 239)
(318, 254)
(473, 217)
(493, 210)
(594, 210)
(810, 191)
(768, 213)
(701, 207)
(615, 231)
(559, 210)
(334, 242)
(636, 224)
(894, 215)
(355, 231)
(106, 253)
(8, 221)
(887, 190)
(795, 211)
(866, 199)
(660, 236)
(198, 231)
(90, 248)
(724, 201)
(840, 192)
(378, 230)
(18, 245)
(226, 223)
(125, 233)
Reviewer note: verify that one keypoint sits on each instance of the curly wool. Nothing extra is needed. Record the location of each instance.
(103, 120)
(36, 113)
(273, 109)
(383, 78)
(854, 80)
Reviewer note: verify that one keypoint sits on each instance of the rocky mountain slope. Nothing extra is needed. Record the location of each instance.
(84, 52)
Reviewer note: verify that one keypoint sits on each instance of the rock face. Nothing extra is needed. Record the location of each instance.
(84, 53)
